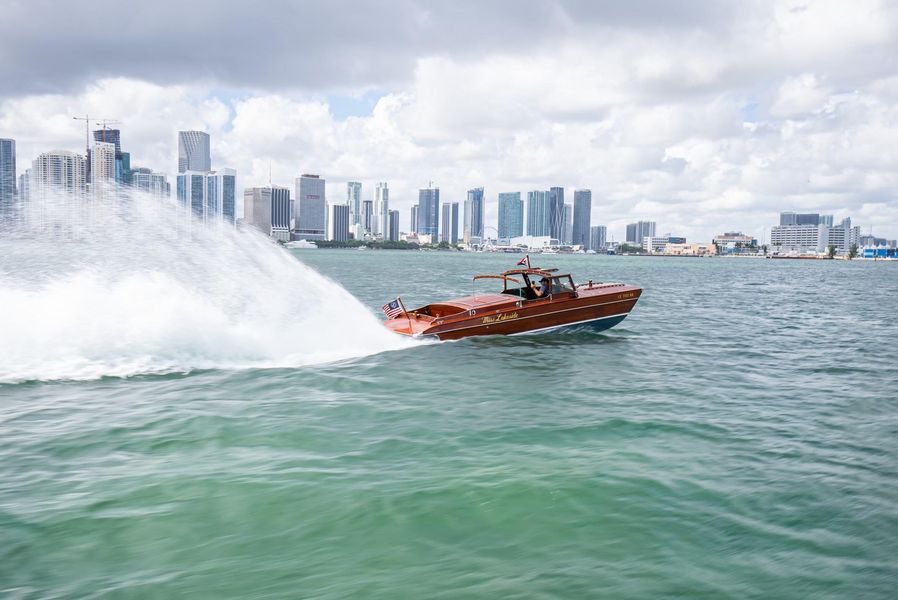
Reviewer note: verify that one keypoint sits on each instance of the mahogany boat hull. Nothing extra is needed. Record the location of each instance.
(590, 307)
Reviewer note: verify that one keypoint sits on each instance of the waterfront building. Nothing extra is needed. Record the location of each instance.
(568, 224)
(122, 159)
(684, 249)
(428, 215)
(58, 171)
(413, 223)
(338, 223)
(354, 201)
(597, 237)
(149, 182)
(382, 209)
(734, 242)
(209, 196)
(368, 217)
(637, 232)
(25, 186)
(472, 233)
(7, 172)
(580, 234)
(268, 209)
(102, 169)
(449, 223)
(555, 212)
(538, 220)
(814, 239)
(394, 226)
(871, 241)
(194, 153)
(826, 220)
(311, 205)
(657, 244)
(511, 215)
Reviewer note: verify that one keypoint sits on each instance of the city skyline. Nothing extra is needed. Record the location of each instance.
(707, 117)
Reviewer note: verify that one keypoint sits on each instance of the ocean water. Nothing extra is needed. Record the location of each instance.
(244, 430)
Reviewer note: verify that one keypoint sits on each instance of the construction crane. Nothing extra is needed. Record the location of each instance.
(86, 119)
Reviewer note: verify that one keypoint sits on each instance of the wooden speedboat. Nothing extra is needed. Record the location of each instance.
(518, 308)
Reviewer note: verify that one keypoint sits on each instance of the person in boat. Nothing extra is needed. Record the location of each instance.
(545, 286)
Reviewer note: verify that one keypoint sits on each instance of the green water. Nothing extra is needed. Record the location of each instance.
(735, 437)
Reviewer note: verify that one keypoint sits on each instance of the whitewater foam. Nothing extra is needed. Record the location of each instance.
(138, 287)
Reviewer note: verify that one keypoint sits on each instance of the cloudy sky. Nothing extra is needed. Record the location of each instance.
(702, 116)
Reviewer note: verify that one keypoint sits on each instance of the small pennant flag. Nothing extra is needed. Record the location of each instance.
(523, 261)
(392, 309)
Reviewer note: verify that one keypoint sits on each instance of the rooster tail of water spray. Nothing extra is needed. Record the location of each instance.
(133, 284)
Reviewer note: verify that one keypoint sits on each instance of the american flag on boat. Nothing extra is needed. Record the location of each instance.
(392, 309)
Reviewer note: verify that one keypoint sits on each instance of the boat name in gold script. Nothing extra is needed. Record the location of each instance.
(498, 318)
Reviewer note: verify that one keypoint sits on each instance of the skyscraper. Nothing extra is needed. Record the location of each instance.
(538, 221)
(511, 215)
(311, 220)
(354, 200)
(154, 184)
(209, 196)
(449, 223)
(382, 209)
(59, 170)
(368, 216)
(268, 210)
(102, 169)
(7, 172)
(394, 226)
(25, 186)
(636, 232)
(597, 235)
(791, 218)
(580, 234)
(194, 151)
(568, 224)
(338, 223)
(556, 213)
(413, 219)
(473, 228)
(429, 211)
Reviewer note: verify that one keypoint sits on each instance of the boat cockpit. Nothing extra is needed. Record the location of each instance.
(524, 283)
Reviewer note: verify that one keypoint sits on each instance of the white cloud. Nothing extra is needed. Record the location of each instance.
(656, 122)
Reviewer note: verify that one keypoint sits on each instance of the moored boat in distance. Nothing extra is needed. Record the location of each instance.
(519, 307)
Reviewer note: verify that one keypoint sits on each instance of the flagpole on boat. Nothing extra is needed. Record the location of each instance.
(405, 312)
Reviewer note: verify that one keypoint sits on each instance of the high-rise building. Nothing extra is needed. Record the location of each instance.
(7, 172)
(473, 227)
(394, 226)
(268, 209)
(209, 196)
(368, 216)
(338, 223)
(102, 169)
(538, 221)
(25, 186)
(149, 182)
(453, 224)
(429, 211)
(637, 232)
(791, 218)
(59, 170)
(449, 223)
(354, 200)
(597, 235)
(568, 224)
(382, 209)
(511, 215)
(580, 234)
(826, 220)
(311, 220)
(556, 212)
(413, 219)
(194, 152)
(221, 189)
(123, 171)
